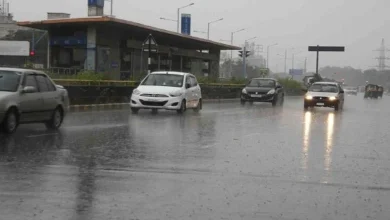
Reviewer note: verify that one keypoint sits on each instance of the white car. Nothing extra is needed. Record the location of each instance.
(324, 94)
(167, 90)
(30, 96)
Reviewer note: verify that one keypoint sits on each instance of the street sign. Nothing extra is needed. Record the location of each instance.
(319, 49)
(186, 24)
(150, 44)
(327, 48)
(296, 72)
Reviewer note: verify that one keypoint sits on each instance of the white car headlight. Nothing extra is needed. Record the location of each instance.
(136, 92)
(272, 91)
(176, 93)
(308, 97)
(332, 98)
(244, 91)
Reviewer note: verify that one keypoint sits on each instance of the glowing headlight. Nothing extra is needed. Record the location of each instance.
(272, 91)
(332, 98)
(309, 97)
(136, 92)
(244, 91)
(176, 93)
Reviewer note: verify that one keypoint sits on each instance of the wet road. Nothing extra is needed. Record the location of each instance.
(228, 162)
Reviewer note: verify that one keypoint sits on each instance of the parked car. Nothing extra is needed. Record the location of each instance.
(324, 94)
(350, 90)
(30, 96)
(263, 90)
(167, 90)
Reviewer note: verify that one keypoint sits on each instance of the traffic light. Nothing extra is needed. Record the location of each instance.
(247, 53)
(32, 53)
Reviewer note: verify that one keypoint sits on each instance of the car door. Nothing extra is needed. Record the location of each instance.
(30, 104)
(49, 95)
(188, 91)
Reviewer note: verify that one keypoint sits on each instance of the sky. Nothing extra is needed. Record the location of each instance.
(359, 25)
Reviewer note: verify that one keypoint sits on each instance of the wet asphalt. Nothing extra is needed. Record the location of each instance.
(227, 162)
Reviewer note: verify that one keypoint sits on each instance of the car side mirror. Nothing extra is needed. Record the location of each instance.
(342, 91)
(29, 89)
(278, 86)
(188, 85)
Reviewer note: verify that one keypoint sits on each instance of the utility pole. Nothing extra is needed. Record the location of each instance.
(244, 61)
(285, 61)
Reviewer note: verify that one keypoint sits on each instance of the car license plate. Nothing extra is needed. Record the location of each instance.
(320, 104)
(152, 100)
(257, 96)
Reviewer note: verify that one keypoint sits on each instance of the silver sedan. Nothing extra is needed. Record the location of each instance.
(30, 96)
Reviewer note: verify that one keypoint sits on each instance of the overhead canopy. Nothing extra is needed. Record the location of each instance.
(162, 36)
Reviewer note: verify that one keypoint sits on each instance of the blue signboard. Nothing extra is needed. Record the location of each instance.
(186, 24)
(296, 72)
(98, 3)
(68, 41)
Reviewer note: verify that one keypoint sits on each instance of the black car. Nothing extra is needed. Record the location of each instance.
(263, 90)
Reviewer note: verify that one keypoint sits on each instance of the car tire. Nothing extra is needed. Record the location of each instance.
(305, 106)
(199, 106)
(56, 119)
(134, 110)
(10, 122)
(183, 107)
(337, 107)
(242, 102)
(275, 101)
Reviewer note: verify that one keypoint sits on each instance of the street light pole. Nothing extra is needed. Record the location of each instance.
(231, 51)
(268, 53)
(208, 27)
(244, 55)
(178, 16)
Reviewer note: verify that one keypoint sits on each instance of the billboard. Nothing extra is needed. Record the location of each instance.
(296, 72)
(97, 3)
(186, 24)
(14, 48)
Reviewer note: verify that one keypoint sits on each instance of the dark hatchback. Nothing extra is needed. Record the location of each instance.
(263, 90)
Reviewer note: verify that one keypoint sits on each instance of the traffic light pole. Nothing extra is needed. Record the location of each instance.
(244, 61)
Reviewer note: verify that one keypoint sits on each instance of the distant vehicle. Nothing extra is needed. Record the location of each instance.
(167, 90)
(263, 90)
(29, 96)
(380, 91)
(324, 94)
(350, 90)
(371, 91)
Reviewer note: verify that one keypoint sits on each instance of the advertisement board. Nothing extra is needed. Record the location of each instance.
(186, 24)
(14, 48)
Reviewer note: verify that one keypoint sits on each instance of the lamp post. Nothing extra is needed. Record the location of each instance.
(268, 53)
(231, 51)
(208, 27)
(244, 55)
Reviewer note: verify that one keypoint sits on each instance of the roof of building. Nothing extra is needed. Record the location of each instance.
(100, 20)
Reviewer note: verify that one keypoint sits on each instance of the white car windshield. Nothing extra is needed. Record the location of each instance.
(261, 83)
(170, 80)
(324, 88)
(9, 80)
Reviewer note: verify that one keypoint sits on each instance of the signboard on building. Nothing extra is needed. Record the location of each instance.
(97, 3)
(14, 48)
(296, 72)
(186, 24)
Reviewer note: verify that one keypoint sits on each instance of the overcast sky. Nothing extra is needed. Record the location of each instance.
(357, 24)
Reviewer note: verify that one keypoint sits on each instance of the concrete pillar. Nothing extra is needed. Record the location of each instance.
(181, 63)
(91, 49)
(214, 64)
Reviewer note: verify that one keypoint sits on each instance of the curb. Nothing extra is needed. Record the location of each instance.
(112, 106)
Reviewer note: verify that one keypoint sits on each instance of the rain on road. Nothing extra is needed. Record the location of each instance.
(227, 162)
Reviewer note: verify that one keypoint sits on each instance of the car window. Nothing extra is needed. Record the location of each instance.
(30, 81)
(189, 81)
(9, 80)
(324, 88)
(170, 80)
(43, 87)
(50, 85)
(193, 81)
(262, 83)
